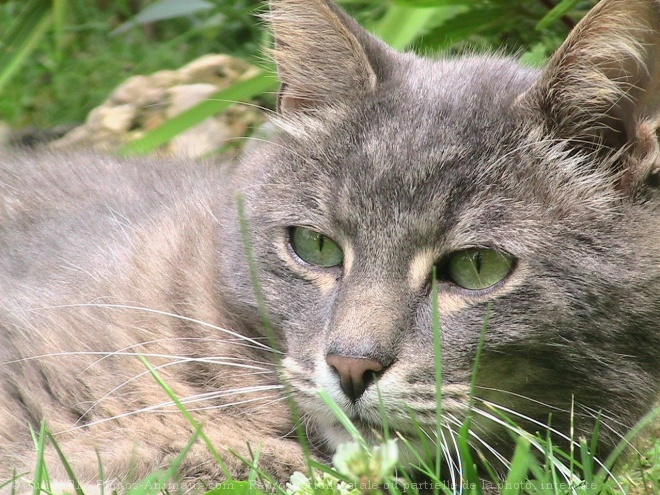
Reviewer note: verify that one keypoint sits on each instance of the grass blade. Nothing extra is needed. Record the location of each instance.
(192, 421)
(242, 90)
(342, 418)
(437, 349)
(65, 464)
(32, 31)
(517, 476)
(559, 11)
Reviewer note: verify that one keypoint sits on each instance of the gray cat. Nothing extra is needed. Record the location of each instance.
(532, 193)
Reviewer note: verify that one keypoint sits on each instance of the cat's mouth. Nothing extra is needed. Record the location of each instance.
(364, 424)
(375, 430)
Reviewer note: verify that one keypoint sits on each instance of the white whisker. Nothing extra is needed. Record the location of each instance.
(162, 313)
(563, 469)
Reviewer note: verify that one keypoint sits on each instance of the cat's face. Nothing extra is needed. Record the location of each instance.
(450, 166)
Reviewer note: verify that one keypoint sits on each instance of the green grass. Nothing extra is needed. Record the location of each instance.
(55, 77)
(361, 468)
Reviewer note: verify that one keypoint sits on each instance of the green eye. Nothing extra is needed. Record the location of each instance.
(315, 248)
(478, 268)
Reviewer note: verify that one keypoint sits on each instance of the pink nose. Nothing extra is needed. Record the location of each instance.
(355, 374)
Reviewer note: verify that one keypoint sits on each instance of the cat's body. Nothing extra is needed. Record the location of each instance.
(402, 164)
(105, 259)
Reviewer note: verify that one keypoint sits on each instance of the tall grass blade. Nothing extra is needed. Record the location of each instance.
(40, 473)
(437, 352)
(101, 474)
(342, 418)
(265, 321)
(559, 11)
(65, 464)
(517, 475)
(242, 90)
(470, 472)
(192, 421)
(23, 38)
(59, 25)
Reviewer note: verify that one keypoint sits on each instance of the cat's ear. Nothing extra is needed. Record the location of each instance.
(323, 55)
(602, 87)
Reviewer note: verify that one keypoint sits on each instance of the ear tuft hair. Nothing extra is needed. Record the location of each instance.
(319, 54)
(601, 88)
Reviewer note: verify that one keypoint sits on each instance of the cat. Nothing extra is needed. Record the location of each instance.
(533, 196)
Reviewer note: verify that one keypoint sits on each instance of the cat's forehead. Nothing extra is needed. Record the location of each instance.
(457, 98)
(438, 128)
(439, 149)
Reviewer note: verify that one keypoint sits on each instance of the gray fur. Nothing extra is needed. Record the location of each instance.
(398, 159)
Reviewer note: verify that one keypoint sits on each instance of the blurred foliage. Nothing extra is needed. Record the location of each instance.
(60, 58)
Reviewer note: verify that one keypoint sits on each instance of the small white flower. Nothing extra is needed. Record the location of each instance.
(374, 464)
(298, 484)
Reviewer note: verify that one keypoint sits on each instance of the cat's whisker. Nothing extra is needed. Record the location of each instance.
(533, 441)
(517, 395)
(453, 461)
(209, 396)
(178, 361)
(277, 145)
(220, 361)
(154, 409)
(162, 313)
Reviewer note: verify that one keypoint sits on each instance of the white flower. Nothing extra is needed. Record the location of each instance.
(356, 462)
(298, 484)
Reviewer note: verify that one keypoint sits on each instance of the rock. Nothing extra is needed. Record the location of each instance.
(186, 96)
(142, 103)
(119, 118)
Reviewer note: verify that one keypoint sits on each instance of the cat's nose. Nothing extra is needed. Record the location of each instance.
(355, 374)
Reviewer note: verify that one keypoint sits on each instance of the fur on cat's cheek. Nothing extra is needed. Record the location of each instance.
(420, 269)
(449, 303)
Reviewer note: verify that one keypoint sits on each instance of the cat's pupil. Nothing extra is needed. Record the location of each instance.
(478, 261)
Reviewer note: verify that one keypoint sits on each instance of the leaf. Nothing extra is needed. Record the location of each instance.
(165, 9)
(559, 11)
(536, 56)
(401, 25)
(466, 24)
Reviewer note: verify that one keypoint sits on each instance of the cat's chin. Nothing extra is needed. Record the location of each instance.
(409, 451)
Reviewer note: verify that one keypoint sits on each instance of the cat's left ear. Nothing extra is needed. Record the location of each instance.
(602, 88)
(323, 56)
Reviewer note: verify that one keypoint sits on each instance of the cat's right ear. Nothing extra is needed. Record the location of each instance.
(601, 90)
(323, 56)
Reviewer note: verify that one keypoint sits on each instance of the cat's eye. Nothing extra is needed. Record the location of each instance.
(478, 268)
(315, 248)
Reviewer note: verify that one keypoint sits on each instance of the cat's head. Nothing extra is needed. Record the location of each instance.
(532, 195)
